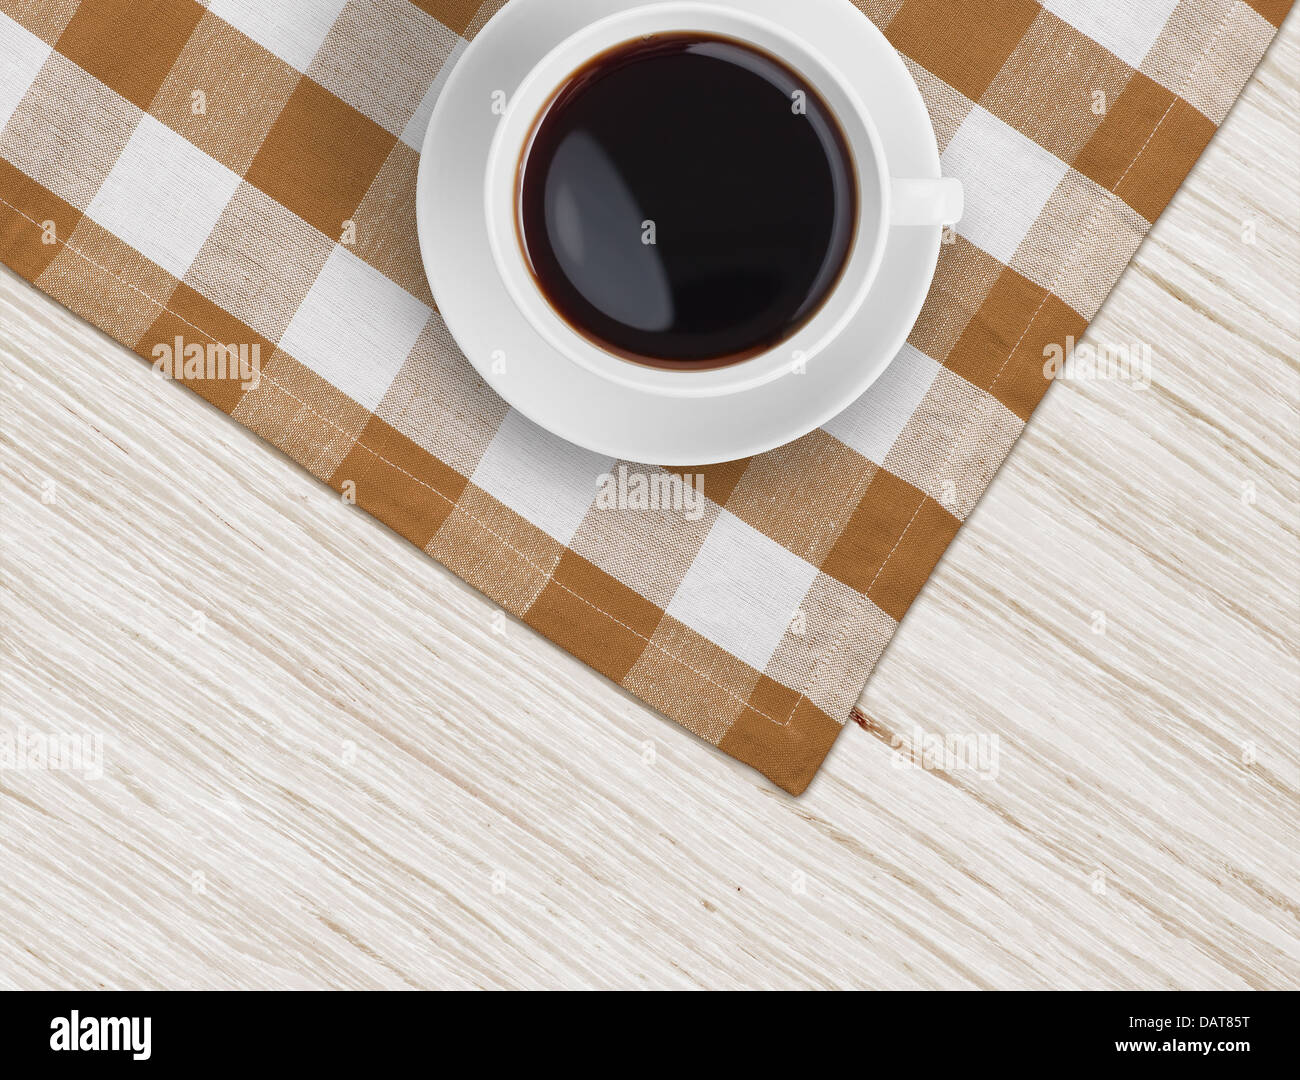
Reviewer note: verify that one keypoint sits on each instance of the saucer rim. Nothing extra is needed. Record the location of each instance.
(461, 304)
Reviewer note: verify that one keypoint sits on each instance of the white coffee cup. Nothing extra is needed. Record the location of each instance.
(884, 202)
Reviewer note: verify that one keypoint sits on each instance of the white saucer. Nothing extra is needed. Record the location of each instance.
(579, 405)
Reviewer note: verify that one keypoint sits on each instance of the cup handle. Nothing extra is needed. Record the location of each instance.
(927, 202)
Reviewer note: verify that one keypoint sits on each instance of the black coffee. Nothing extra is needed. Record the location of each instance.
(686, 201)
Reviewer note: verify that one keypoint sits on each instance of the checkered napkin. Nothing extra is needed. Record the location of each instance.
(242, 172)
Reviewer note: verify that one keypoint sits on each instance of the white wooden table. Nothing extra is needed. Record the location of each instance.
(325, 763)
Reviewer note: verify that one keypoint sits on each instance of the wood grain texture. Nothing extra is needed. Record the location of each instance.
(327, 762)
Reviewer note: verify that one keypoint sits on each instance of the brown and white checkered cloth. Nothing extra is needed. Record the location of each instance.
(243, 172)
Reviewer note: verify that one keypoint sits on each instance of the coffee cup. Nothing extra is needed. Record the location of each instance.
(881, 201)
